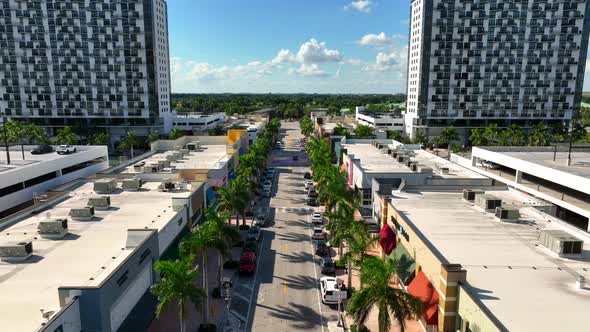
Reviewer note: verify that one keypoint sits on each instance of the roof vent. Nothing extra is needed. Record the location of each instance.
(139, 166)
(469, 194)
(16, 251)
(53, 229)
(487, 202)
(561, 243)
(100, 203)
(85, 213)
(424, 170)
(170, 186)
(151, 168)
(132, 184)
(507, 214)
(105, 186)
(194, 146)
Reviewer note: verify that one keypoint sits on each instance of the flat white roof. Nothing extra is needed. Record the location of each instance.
(579, 166)
(87, 252)
(209, 157)
(374, 161)
(524, 285)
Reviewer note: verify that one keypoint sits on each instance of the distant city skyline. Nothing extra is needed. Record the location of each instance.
(307, 46)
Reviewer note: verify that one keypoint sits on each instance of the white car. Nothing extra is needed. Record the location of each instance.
(308, 183)
(328, 287)
(317, 218)
(65, 149)
(318, 234)
(259, 221)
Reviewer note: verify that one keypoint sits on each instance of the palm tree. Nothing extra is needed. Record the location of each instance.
(449, 135)
(539, 135)
(176, 285)
(204, 237)
(228, 234)
(340, 130)
(477, 137)
(363, 131)
(516, 135)
(420, 137)
(18, 133)
(231, 200)
(66, 136)
(393, 304)
(153, 136)
(176, 133)
(100, 139)
(129, 142)
(492, 134)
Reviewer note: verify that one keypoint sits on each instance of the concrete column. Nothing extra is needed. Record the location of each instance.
(473, 161)
(450, 275)
(518, 177)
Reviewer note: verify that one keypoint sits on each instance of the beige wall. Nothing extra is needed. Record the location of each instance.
(472, 314)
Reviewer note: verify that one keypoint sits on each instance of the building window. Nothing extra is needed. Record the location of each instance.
(367, 196)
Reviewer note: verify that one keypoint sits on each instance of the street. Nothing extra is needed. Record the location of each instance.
(283, 294)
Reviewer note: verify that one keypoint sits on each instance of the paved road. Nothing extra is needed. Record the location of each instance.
(283, 295)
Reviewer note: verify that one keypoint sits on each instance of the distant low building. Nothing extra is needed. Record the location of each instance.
(383, 121)
(191, 121)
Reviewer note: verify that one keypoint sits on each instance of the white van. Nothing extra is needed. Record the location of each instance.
(328, 289)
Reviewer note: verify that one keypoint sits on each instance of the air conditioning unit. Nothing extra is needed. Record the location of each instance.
(561, 243)
(139, 166)
(105, 186)
(487, 202)
(53, 228)
(85, 213)
(170, 186)
(507, 214)
(424, 170)
(401, 159)
(100, 203)
(16, 251)
(151, 168)
(132, 184)
(444, 170)
(469, 194)
(163, 163)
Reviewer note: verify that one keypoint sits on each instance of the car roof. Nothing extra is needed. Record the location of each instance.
(330, 282)
(318, 229)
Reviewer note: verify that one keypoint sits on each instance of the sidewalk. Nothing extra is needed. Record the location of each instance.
(371, 322)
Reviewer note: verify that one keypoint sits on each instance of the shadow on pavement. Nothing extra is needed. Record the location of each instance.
(302, 317)
(299, 257)
(294, 237)
(299, 282)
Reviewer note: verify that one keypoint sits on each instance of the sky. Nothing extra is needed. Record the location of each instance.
(290, 46)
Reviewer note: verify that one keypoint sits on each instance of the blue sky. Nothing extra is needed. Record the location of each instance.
(287, 46)
(290, 46)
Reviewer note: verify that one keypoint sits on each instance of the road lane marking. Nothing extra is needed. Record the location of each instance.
(317, 287)
(284, 287)
(286, 247)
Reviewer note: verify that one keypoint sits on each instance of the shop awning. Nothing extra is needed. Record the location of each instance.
(387, 239)
(421, 288)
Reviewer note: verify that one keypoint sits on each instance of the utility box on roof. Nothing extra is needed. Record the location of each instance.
(561, 243)
(53, 228)
(507, 214)
(132, 184)
(100, 203)
(85, 213)
(16, 251)
(105, 186)
(488, 203)
(469, 194)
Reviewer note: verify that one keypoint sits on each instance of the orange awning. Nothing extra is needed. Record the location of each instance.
(421, 288)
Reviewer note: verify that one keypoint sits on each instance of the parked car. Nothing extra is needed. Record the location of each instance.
(329, 285)
(312, 201)
(308, 183)
(253, 233)
(247, 263)
(270, 170)
(312, 194)
(259, 221)
(317, 218)
(295, 157)
(42, 149)
(267, 192)
(307, 176)
(250, 246)
(321, 248)
(327, 265)
(65, 149)
(318, 234)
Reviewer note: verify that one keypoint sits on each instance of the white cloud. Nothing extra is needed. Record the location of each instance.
(375, 40)
(392, 60)
(364, 6)
(284, 56)
(183, 71)
(309, 70)
(313, 51)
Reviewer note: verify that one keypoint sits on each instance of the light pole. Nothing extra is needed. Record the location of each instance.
(5, 131)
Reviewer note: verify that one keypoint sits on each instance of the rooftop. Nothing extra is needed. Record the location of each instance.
(95, 248)
(374, 161)
(520, 281)
(208, 157)
(17, 162)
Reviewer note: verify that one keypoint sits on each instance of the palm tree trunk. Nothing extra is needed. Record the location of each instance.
(206, 288)
(349, 273)
(237, 219)
(181, 315)
(132, 153)
(220, 271)
(244, 218)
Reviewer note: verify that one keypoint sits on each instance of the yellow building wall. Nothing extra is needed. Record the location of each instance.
(233, 135)
(471, 313)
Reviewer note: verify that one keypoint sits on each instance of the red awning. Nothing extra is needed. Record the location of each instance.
(421, 288)
(387, 239)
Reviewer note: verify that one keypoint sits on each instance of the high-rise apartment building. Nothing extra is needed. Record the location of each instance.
(471, 63)
(102, 62)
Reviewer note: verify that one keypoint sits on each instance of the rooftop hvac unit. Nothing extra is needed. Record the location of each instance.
(487, 202)
(105, 186)
(172, 157)
(163, 163)
(469, 194)
(444, 170)
(132, 184)
(394, 154)
(100, 203)
(561, 243)
(507, 214)
(172, 186)
(85, 213)
(151, 168)
(53, 228)
(384, 150)
(16, 251)
(139, 166)
(185, 152)
(401, 159)
(424, 170)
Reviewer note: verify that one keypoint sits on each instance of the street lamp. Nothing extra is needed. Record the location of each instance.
(5, 131)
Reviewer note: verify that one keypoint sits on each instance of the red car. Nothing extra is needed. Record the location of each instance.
(247, 262)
